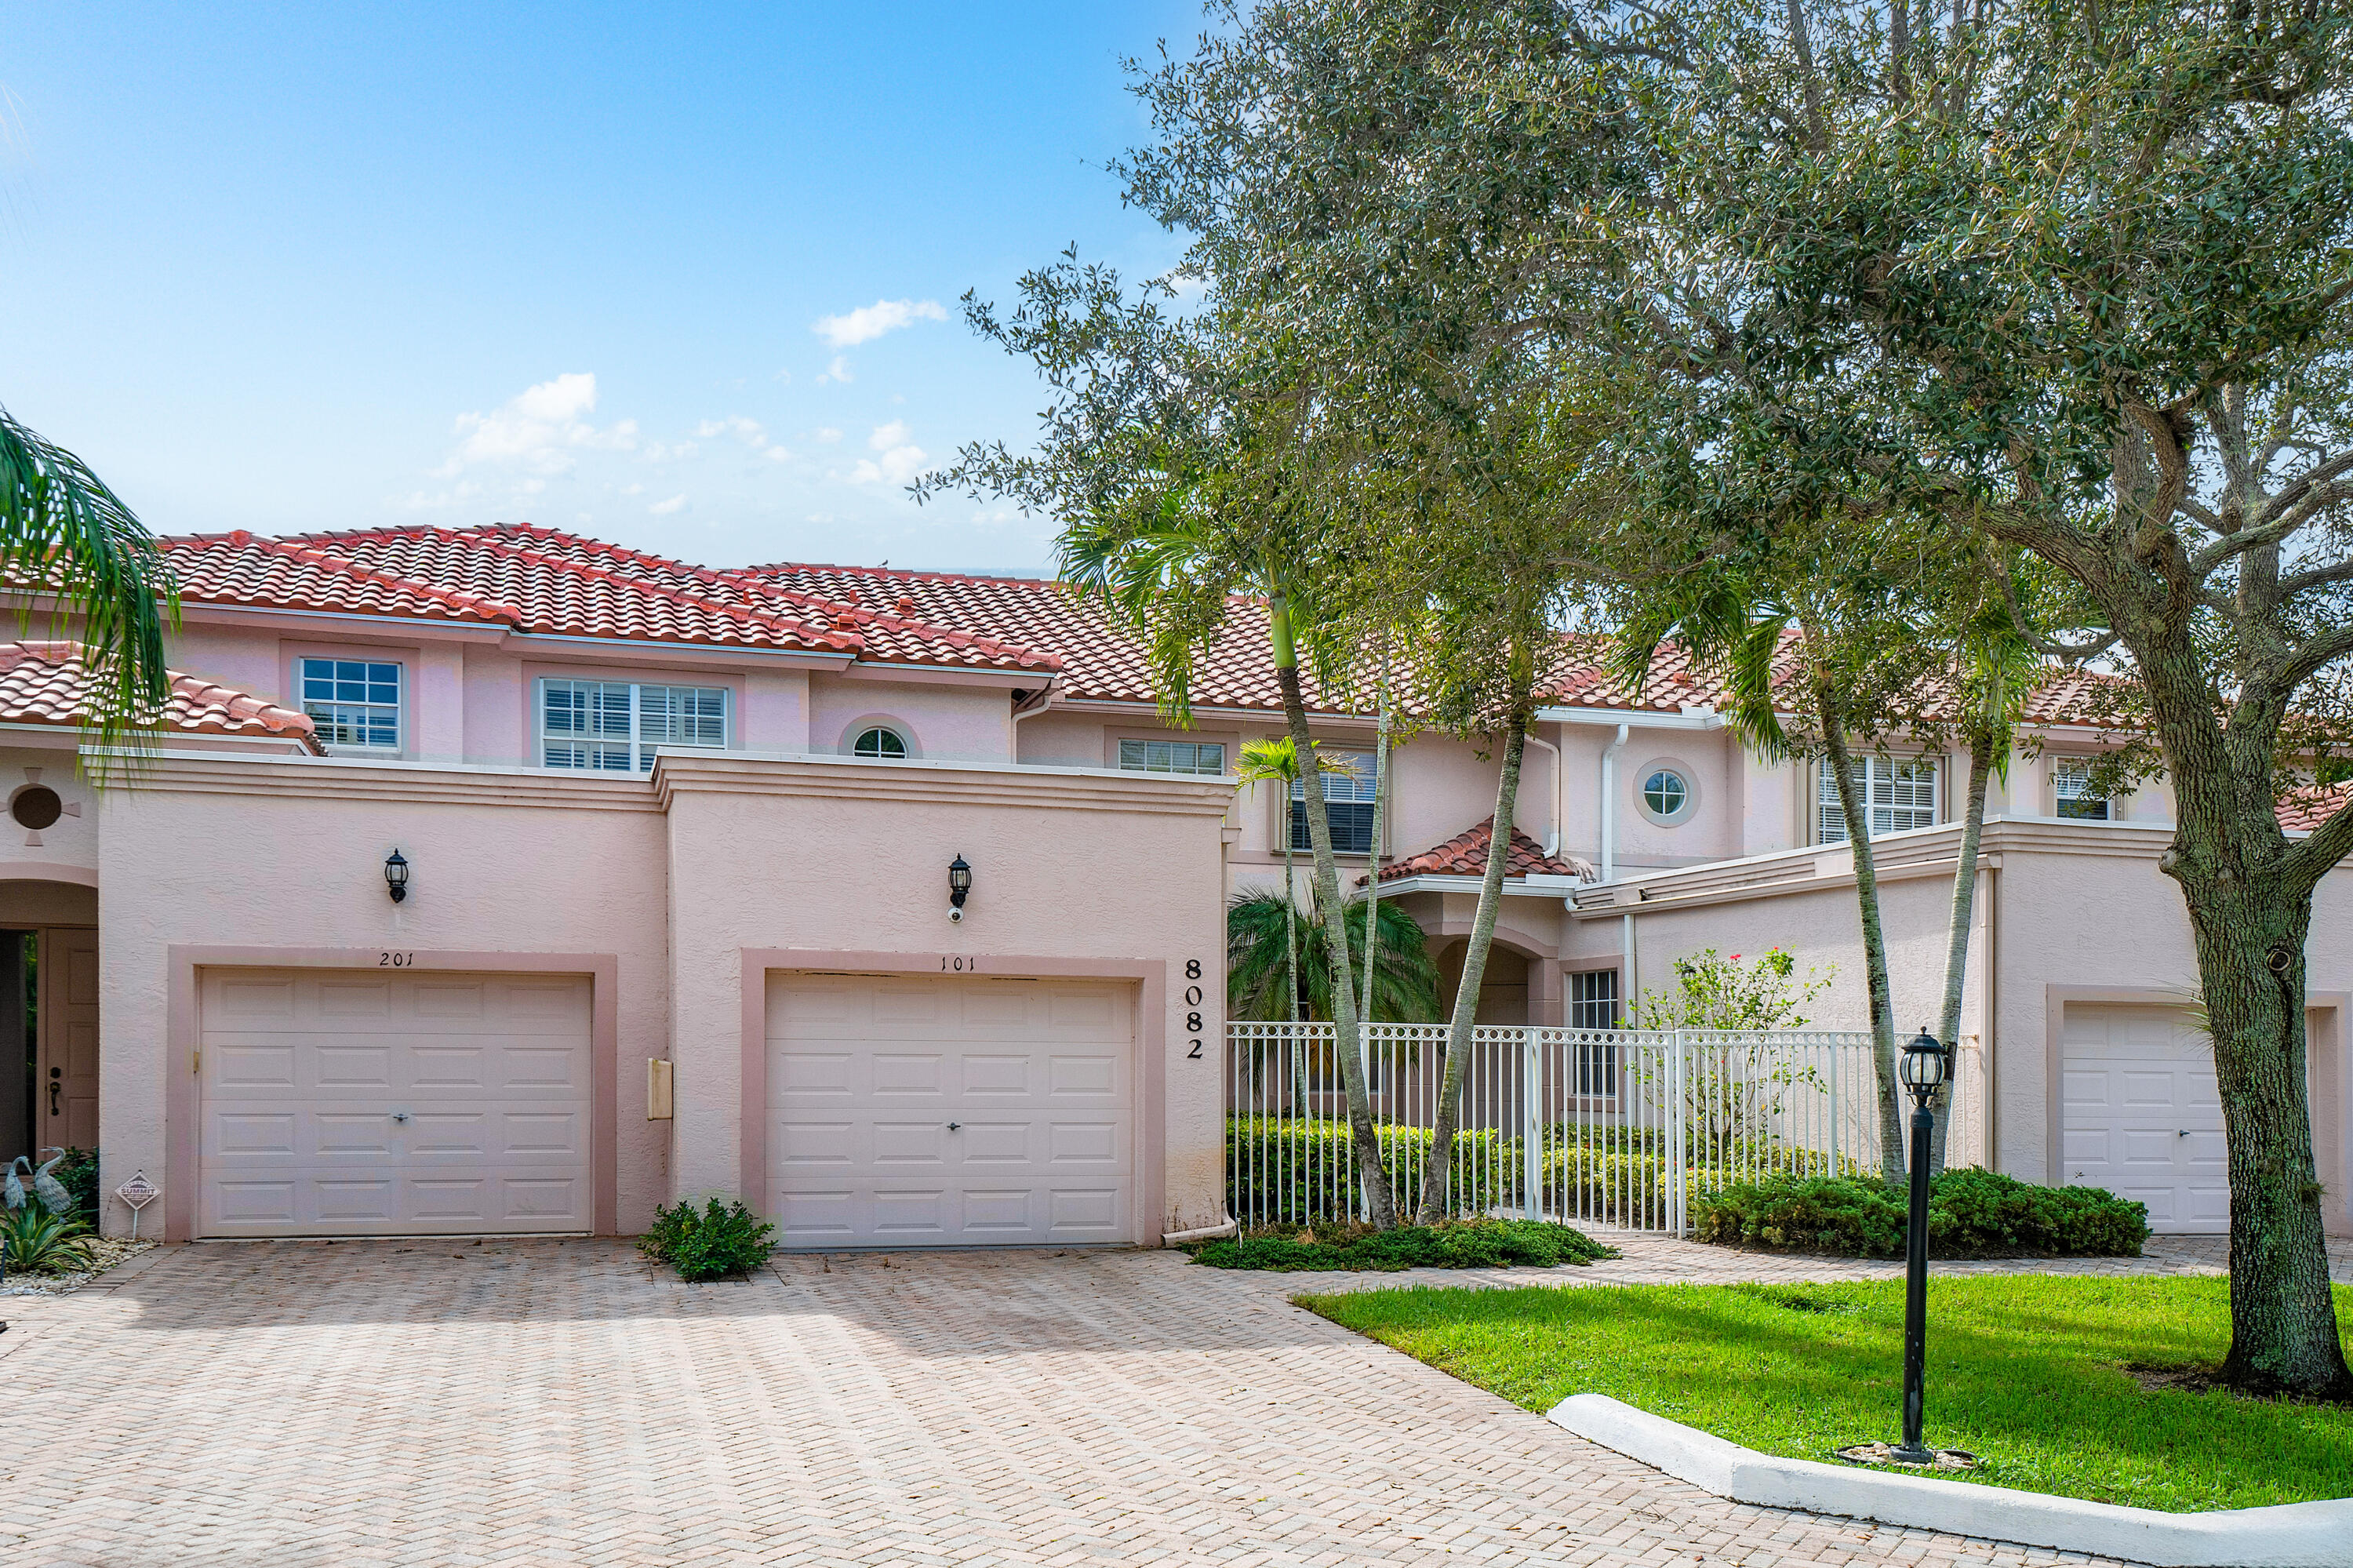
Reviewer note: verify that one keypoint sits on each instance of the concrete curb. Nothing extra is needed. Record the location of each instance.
(2292, 1535)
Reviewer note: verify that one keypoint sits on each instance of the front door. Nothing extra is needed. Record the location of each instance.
(65, 1089)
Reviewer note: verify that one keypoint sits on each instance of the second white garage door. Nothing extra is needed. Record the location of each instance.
(911, 1111)
(381, 1103)
(2140, 1115)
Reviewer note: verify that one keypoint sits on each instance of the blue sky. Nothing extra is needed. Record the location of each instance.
(682, 277)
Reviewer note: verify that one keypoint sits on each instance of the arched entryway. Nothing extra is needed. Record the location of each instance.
(49, 1016)
(1503, 989)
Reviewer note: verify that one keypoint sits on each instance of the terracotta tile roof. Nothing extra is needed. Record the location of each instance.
(1100, 662)
(1581, 679)
(540, 580)
(2306, 809)
(544, 581)
(44, 683)
(1465, 854)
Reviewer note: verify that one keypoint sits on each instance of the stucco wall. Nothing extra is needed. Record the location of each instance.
(289, 855)
(827, 857)
(940, 722)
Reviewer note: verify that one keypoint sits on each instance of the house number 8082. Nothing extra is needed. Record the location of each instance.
(1192, 1019)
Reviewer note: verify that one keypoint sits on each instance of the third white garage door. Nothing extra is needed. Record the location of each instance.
(955, 1111)
(2140, 1113)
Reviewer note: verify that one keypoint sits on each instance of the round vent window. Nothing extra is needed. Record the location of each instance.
(37, 806)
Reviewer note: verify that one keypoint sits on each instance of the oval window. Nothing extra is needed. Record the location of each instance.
(879, 742)
(1665, 792)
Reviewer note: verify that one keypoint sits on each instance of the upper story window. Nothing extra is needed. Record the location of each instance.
(880, 742)
(1172, 756)
(355, 703)
(615, 726)
(1898, 795)
(2072, 787)
(1347, 798)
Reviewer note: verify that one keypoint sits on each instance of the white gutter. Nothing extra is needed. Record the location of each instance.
(1694, 715)
(1552, 812)
(1610, 803)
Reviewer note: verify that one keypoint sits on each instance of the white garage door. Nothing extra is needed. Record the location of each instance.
(2139, 1113)
(910, 1111)
(367, 1103)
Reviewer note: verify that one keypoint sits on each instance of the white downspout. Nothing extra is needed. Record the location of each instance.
(1610, 803)
(1552, 838)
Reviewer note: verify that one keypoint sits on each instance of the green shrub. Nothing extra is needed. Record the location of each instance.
(709, 1244)
(1304, 1171)
(1971, 1214)
(78, 1171)
(33, 1240)
(1458, 1243)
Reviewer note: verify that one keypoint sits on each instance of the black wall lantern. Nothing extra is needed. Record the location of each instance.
(396, 875)
(959, 886)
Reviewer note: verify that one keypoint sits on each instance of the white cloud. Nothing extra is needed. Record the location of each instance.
(665, 508)
(868, 323)
(829, 435)
(836, 371)
(539, 428)
(901, 461)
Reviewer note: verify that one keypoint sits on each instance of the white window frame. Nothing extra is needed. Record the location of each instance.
(640, 748)
(1136, 756)
(906, 750)
(2071, 783)
(1358, 788)
(364, 707)
(1896, 796)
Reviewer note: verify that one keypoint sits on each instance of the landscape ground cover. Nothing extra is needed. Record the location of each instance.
(2046, 1378)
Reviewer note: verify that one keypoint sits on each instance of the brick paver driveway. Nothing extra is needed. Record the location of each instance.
(295, 1405)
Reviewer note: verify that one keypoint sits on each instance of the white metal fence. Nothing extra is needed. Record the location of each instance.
(1614, 1128)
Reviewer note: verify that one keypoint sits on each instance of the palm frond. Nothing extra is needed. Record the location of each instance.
(1405, 982)
(65, 536)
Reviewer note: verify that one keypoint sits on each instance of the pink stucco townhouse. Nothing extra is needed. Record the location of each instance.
(674, 850)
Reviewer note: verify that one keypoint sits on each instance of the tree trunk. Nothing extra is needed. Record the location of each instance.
(1435, 1175)
(1956, 943)
(1347, 1038)
(1373, 880)
(1291, 965)
(1874, 942)
(2250, 925)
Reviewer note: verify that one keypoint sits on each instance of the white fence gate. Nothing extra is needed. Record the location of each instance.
(1612, 1128)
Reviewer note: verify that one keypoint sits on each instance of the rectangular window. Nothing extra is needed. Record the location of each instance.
(355, 703)
(1172, 756)
(1347, 798)
(2071, 783)
(1898, 796)
(1593, 1004)
(613, 726)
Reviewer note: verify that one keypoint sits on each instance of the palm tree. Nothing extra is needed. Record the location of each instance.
(1171, 577)
(1275, 760)
(1261, 963)
(1997, 669)
(67, 538)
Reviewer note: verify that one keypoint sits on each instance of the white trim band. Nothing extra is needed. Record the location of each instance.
(2290, 1535)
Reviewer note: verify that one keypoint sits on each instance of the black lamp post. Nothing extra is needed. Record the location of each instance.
(959, 886)
(1923, 1071)
(396, 875)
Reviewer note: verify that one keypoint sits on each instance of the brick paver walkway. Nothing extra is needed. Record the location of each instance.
(304, 1405)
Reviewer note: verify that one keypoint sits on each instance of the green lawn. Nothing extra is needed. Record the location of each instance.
(2023, 1371)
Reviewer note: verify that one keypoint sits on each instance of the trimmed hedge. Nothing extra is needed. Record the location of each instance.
(708, 1244)
(1458, 1243)
(1971, 1214)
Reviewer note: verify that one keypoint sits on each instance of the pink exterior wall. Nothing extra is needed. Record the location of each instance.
(941, 722)
(287, 857)
(1093, 873)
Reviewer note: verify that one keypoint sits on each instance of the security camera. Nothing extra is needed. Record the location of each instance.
(954, 914)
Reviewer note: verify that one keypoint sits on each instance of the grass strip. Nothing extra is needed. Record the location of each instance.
(2029, 1371)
